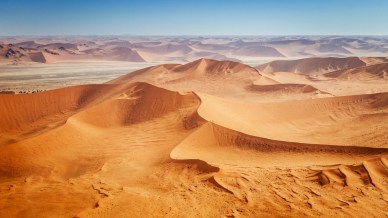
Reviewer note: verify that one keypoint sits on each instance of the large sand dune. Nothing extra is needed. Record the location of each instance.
(201, 139)
(376, 71)
(312, 65)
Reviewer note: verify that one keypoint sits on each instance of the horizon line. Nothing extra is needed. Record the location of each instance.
(202, 35)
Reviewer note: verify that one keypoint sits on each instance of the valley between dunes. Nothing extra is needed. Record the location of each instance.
(204, 139)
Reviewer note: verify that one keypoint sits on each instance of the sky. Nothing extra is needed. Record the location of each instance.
(194, 17)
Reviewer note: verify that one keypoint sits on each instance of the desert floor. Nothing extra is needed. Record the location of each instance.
(32, 76)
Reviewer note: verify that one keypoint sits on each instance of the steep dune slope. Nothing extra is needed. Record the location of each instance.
(28, 114)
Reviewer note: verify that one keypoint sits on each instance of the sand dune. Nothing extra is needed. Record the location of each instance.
(231, 145)
(99, 106)
(198, 68)
(167, 49)
(124, 54)
(258, 51)
(28, 44)
(376, 71)
(70, 46)
(225, 78)
(30, 51)
(179, 140)
(208, 55)
(222, 78)
(284, 92)
(140, 103)
(37, 57)
(287, 89)
(27, 115)
(312, 65)
(24, 109)
(235, 80)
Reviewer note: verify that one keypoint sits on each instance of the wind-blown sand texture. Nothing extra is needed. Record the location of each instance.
(203, 139)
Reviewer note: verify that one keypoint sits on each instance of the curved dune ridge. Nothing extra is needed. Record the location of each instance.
(232, 145)
(173, 153)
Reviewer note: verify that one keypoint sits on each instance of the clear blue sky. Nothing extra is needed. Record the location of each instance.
(194, 17)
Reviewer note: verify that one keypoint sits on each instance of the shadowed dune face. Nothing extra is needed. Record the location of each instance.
(25, 115)
(192, 140)
(37, 57)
